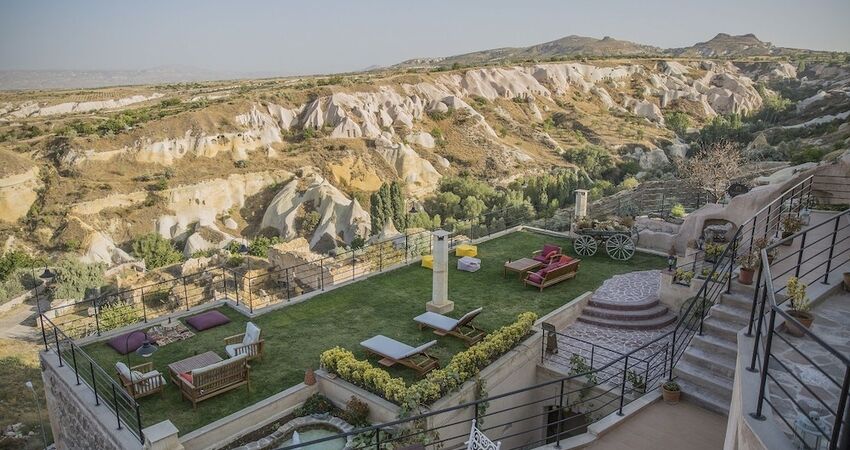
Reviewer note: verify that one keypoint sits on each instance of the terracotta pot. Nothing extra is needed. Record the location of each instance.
(746, 276)
(671, 397)
(804, 318)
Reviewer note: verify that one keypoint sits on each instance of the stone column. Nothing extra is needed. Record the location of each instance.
(440, 289)
(581, 203)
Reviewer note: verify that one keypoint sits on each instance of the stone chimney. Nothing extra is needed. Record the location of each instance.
(581, 203)
(440, 292)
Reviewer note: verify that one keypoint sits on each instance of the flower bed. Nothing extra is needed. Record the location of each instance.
(463, 367)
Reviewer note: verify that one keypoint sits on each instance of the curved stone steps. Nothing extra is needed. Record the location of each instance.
(651, 312)
(641, 324)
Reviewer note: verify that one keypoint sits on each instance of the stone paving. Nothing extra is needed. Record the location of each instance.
(633, 287)
(602, 345)
(832, 326)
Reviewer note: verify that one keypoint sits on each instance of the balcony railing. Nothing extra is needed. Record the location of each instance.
(823, 249)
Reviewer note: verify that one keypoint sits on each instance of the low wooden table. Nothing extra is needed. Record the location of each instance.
(190, 364)
(521, 266)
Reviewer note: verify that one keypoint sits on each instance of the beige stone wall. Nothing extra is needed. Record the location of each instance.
(75, 420)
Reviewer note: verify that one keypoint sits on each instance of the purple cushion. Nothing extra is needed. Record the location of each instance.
(541, 258)
(207, 320)
(124, 346)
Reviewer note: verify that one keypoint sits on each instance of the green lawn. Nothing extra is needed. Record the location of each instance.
(384, 304)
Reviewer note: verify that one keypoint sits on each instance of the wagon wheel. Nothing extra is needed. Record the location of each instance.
(620, 247)
(585, 245)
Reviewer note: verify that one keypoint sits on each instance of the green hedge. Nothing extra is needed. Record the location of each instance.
(463, 367)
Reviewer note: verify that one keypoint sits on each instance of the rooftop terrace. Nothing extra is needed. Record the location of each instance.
(383, 304)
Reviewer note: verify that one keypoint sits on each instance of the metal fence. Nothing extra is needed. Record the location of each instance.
(105, 390)
(823, 249)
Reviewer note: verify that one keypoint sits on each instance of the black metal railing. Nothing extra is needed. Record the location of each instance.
(600, 381)
(262, 285)
(105, 390)
(822, 249)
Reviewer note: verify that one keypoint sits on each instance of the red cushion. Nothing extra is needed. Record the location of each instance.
(549, 249)
(207, 320)
(186, 376)
(565, 260)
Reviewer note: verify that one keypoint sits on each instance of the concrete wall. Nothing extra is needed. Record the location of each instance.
(258, 415)
(340, 392)
(75, 420)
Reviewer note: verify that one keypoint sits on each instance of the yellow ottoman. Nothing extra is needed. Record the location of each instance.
(466, 250)
(428, 261)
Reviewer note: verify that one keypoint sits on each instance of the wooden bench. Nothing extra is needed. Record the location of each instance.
(218, 378)
(551, 275)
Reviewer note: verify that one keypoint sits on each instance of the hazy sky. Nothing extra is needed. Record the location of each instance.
(309, 36)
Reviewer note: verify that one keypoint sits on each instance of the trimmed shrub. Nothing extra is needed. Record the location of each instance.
(463, 367)
(156, 251)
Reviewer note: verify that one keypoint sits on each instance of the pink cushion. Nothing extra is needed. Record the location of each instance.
(540, 258)
(186, 376)
(207, 320)
(124, 346)
(537, 277)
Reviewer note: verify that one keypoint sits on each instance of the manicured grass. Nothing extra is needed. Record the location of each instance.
(384, 304)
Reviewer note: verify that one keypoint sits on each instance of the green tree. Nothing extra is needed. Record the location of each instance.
(399, 213)
(377, 212)
(592, 158)
(260, 246)
(74, 279)
(472, 208)
(156, 251)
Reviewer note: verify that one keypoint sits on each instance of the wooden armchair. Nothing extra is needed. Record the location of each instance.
(249, 343)
(140, 381)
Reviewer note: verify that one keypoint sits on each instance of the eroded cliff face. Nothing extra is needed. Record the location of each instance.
(18, 191)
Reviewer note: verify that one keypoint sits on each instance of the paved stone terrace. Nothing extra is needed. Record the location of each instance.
(830, 325)
(634, 287)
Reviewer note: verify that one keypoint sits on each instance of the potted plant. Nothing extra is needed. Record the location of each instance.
(677, 214)
(749, 263)
(713, 251)
(683, 277)
(800, 308)
(761, 244)
(790, 225)
(671, 392)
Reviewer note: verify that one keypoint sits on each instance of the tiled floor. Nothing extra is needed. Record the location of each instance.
(832, 326)
(684, 426)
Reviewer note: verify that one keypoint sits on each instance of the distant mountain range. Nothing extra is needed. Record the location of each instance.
(721, 46)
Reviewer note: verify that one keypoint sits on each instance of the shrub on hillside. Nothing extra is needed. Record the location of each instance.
(677, 121)
(156, 251)
(74, 279)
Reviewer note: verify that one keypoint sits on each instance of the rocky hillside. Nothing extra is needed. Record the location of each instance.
(88, 172)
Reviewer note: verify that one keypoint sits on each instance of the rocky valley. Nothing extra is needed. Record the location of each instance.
(87, 173)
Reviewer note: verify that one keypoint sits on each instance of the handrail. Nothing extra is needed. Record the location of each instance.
(839, 436)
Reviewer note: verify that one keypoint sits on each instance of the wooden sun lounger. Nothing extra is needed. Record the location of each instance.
(461, 328)
(394, 352)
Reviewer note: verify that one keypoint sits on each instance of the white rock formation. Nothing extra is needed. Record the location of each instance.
(33, 109)
(418, 173)
(341, 219)
(421, 139)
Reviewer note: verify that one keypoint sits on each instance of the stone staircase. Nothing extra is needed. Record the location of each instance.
(707, 367)
(644, 315)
